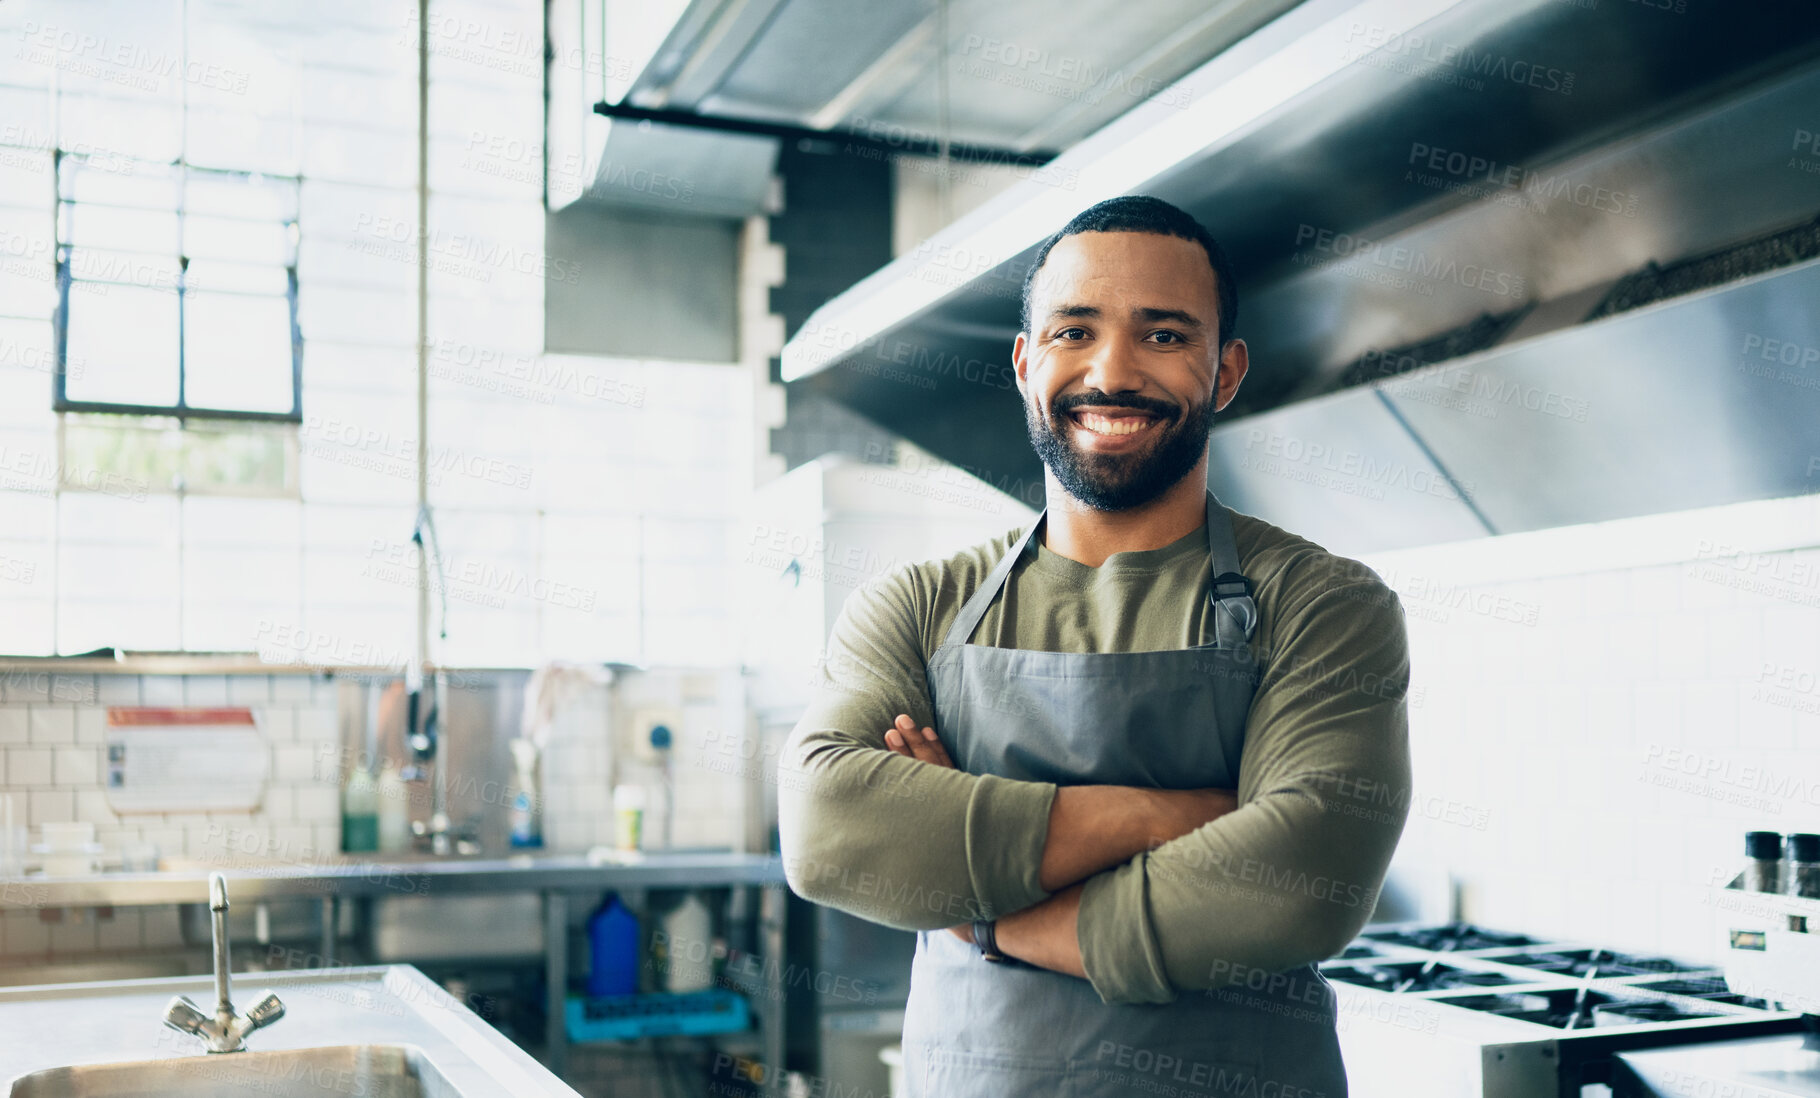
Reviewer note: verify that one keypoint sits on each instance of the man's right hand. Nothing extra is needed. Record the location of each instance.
(923, 745)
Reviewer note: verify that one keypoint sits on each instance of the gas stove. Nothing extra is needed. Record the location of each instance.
(1446, 937)
(1457, 1009)
(1400, 976)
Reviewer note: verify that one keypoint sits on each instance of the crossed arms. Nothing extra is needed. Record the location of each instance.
(1143, 892)
(1091, 828)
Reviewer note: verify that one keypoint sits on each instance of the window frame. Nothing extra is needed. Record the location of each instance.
(182, 410)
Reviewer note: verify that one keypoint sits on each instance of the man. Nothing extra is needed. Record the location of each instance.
(1131, 778)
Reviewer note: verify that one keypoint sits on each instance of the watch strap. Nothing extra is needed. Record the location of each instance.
(985, 936)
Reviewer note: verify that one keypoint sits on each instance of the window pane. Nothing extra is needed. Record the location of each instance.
(128, 457)
(246, 278)
(117, 227)
(236, 238)
(116, 181)
(139, 456)
(237, 352)
(255, 458)
(126, 339)
(148, 271)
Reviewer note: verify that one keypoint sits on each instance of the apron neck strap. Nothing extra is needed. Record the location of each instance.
(1235, 613)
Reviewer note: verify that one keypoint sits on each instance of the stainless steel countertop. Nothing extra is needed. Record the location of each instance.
(186, 880)
(113, 1021)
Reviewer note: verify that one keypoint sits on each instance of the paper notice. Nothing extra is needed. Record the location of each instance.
(184, 760)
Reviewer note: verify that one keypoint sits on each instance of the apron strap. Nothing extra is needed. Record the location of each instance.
(975, 607)
(1235, 614)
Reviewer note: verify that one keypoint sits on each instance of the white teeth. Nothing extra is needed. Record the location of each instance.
(1106, 425)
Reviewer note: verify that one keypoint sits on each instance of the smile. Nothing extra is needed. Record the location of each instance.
(1129, 423)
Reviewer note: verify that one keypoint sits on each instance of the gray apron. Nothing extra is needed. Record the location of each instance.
(1165, 719)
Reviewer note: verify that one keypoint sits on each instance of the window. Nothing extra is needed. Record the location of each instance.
(177, 291)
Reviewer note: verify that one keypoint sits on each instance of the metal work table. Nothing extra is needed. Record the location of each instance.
(554, 876)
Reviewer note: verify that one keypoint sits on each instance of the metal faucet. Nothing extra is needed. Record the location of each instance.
(225, 1032)
(423, 719)
(424, 741)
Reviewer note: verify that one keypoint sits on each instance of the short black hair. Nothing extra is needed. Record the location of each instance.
(1141, 213)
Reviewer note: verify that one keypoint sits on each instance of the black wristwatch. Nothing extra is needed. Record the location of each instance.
(985, 936)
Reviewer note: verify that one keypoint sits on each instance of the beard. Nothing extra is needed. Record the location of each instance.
(1119, 482)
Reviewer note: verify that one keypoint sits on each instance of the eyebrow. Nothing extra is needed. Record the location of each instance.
(1148, 314)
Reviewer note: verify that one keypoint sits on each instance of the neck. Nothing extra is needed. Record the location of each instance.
(1082, 534)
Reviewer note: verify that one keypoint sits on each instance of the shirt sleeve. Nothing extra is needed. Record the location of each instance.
(1292, 875)
(884, 837)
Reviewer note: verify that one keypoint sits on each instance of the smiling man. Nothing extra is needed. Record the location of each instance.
(1130, 770)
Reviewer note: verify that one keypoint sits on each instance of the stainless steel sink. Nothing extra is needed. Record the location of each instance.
(380, 1031)
(373, 1071)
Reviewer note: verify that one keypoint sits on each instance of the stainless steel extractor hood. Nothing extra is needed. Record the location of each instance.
(1388, 173)
(1700, 400)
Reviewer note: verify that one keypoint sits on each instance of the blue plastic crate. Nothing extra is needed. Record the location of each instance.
(659, 1014)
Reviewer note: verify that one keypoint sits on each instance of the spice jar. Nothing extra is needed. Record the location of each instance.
(1804, 866)
(1762, 861)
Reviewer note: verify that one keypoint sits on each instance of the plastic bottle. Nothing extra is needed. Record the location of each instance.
(688, 945)
(394, 810)
(523, 796)
(613, 949)
(360, 812)
(629, 811)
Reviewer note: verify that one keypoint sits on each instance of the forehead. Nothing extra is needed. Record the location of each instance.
(1126, 268)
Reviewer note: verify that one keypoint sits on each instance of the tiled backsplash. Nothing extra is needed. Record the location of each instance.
(1598, 714)
(52, 728)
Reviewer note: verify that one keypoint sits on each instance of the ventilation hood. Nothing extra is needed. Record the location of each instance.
(698, 94)
(1700, 400)
(1477, 174)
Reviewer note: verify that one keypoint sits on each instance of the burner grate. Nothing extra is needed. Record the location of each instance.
(1453, 936)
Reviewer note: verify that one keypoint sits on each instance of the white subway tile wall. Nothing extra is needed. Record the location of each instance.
(1589, 748)
(52, 729)
(592, 749)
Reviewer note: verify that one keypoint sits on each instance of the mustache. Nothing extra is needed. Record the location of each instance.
(1160, 408)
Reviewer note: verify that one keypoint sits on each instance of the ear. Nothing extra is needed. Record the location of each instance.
(1235, 359)
(1020, 362)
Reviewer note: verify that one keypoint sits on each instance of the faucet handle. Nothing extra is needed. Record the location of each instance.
(184, 1016)
(261, 1014)
(264, 1012)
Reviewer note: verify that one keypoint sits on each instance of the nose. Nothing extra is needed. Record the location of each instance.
(1113, 369)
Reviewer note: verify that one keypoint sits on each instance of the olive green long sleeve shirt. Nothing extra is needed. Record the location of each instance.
(1287, 879)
